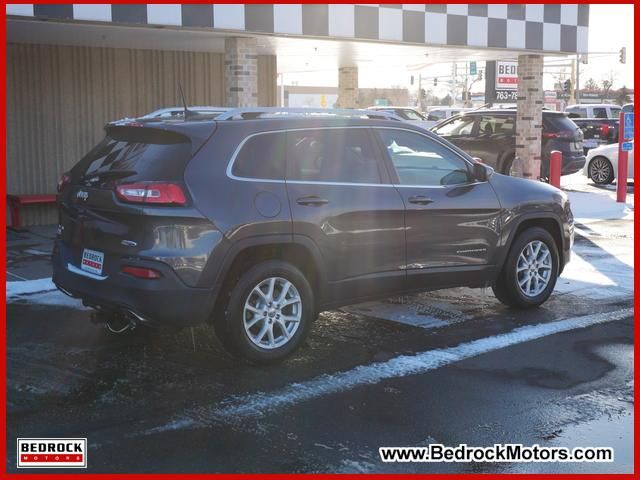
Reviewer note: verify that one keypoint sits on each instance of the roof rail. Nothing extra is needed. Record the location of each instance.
(276, 112)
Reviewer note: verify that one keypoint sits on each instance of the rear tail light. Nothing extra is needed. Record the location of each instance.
(563, 134)
(604, 130)
(153, 192)
(65, 179)
(141, 272)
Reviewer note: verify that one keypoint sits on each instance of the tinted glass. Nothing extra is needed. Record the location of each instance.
(557, 122)
(615, 112)
(332, 155)
(262, 156)
(419, 160)
(599, 112)
(456, 127)
(496, 125)
(136, 153)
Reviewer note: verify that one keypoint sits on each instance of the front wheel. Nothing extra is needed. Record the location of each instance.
(601, 171)
(269, 313)
(530, 272)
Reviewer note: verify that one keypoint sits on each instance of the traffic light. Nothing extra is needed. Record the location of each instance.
(623, 55)
(423, 94)
(435, 82)
(566, 86)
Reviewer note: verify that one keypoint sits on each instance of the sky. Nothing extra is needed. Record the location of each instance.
(611, 27)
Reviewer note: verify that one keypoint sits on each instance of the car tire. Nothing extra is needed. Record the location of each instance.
(507, 165)
(601, 171)
(260, 326)
(530, 271)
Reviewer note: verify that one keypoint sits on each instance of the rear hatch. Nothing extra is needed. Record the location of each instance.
(128, 194)
(560, 133)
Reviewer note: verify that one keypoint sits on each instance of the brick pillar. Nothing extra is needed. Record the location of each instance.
(348, 87)
(240, 72)
(529, 120)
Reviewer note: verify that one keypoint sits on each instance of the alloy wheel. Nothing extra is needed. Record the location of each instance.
(600, 170)
(534, 268)
(272, 313)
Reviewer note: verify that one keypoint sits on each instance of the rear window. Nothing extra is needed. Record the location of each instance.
(557, 123)
(136, 153)
(262, 157)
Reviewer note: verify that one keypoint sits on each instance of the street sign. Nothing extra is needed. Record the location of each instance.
(626, 146)
(473, 68)
(628, 125)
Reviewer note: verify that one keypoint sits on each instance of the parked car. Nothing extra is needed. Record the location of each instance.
(256, 226)
(602, 164)
(598, 110)
(490, 135)
(408, 114)
(438, 114)
(597, 131)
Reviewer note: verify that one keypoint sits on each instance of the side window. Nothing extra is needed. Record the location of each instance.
(332, 155)
(615, 112)
(262, 157)
(457, 127)
(435, 115)
(419, 160)
(496, 125)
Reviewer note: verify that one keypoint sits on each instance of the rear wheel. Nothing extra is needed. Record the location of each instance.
(269, 313)
(530, 272)
(601, 171)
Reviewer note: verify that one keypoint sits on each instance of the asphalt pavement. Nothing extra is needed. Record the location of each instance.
(451, 367)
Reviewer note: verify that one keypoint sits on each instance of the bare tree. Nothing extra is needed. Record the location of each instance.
(591, 85)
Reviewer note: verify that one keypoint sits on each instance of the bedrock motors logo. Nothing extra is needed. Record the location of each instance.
(52, 453)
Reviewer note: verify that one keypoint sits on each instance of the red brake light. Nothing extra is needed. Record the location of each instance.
(141, 272)
(564, 134)
(153, 192)
(65, 179)
(604, 130)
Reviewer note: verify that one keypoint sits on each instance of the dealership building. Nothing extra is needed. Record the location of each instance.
(73, 67)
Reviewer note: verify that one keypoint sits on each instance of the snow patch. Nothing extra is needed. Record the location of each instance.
(259, 404)
(16, 289)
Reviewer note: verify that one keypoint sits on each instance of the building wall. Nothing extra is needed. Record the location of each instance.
(60, 97)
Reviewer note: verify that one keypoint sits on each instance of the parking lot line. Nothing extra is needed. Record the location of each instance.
(256, 405)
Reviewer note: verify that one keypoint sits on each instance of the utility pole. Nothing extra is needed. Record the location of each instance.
(420, 100)
(572, 93)
(577, 90)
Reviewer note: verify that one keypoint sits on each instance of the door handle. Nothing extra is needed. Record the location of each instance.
(420, 200)
(312, 201)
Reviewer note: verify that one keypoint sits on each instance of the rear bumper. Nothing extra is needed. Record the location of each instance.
(166, 300)
(572, 162)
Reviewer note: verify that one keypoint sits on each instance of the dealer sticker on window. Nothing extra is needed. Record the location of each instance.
(92, 261)
(52, 453)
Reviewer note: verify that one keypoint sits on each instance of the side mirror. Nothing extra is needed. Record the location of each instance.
(482, 172)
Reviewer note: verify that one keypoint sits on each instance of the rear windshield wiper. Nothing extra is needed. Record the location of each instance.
(96, 176)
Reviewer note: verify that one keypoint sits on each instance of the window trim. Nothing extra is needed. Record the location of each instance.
(384, 157)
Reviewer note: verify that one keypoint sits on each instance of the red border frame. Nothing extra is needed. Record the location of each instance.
(3, 332)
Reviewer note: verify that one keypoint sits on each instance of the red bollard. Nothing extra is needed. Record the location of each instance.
(623, 164)
(555, 168)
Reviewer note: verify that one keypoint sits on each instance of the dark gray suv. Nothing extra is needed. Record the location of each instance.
(257, 220)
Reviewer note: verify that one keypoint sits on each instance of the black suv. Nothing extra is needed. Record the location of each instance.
(490, 135)
(258, 224)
